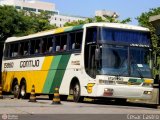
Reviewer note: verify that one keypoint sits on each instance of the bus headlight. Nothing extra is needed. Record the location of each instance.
(147, 92)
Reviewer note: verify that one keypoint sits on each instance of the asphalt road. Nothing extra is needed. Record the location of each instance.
(19, 109)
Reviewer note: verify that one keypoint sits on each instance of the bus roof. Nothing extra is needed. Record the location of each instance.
(72, 28)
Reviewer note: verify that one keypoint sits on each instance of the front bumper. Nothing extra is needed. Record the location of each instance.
(124, 91)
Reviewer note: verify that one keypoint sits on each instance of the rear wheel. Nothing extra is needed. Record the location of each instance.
(16, 90)
(76, 93)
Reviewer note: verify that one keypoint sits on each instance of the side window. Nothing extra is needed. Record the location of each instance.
(38, 46)
(44, 45)
(26, 48)
(21, 49)
(78, 41)
(91, 36)
(63, 45)
(47, 45)
(75, 40)
(61, 42)
(72, 41)
(14, 50)
(7, 51)
(32, 46)
(35, 46)
(57, 43)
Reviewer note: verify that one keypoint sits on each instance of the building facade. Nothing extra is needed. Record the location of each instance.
(155, 20)
(38, 6)
(31, 5)
(59, 20)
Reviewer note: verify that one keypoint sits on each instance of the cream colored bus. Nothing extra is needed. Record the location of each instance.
(104, 60)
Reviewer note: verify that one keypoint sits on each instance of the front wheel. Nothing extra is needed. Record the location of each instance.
(23, 93)
(76, 93)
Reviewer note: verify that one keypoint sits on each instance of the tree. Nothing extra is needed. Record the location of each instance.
(143, 20)
(19, 23)
(9, 22)
(98, 19)
(33, 23)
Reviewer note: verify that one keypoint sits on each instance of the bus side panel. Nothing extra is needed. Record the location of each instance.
(45, 78)
(56, 73)
(7, 78)
(74, 69)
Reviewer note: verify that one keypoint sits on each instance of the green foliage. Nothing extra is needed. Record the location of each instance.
(19, 23)
(97, 19)
(9, 20)
(143, 20)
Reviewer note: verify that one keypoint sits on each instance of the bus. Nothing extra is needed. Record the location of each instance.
(97, 60)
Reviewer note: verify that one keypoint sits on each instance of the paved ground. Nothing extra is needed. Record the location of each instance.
(44, 107)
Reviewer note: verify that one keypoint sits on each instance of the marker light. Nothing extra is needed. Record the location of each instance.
(148, 81)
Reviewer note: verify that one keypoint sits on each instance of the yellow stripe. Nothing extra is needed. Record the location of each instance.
(42, 76)
(47, 63)
(59, 30)
(149, 81)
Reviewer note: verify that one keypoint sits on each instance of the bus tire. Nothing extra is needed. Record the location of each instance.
(23, 93)
(77, 93)
(16, 89)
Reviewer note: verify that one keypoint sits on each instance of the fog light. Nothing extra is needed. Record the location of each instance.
(147, 92)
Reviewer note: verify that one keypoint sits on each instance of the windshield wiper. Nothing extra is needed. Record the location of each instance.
(138, 69)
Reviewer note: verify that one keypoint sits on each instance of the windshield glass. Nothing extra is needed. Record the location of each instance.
(139, 62)
(115, 60)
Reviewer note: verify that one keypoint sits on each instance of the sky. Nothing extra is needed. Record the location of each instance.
(87, 8)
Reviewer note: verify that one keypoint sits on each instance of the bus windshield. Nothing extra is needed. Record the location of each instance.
(124, 61)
